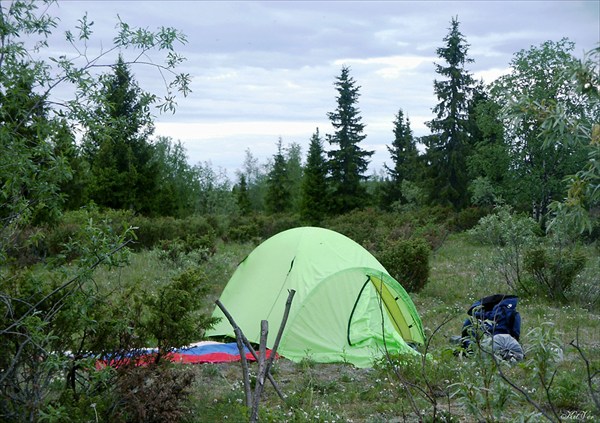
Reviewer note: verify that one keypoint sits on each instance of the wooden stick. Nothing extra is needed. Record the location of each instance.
(250, 347)
(245, 372)
(286, 313)
(260, 377)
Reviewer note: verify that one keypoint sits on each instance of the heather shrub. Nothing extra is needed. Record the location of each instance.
(153, 393)
(407, 261)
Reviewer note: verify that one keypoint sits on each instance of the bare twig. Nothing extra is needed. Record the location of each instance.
(266, 369)
(262, 363)
(245, 373)
(62, 287)
(590, 375)
(249, 345)
(516, 387)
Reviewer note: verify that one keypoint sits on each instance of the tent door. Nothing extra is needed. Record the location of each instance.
(360, 316)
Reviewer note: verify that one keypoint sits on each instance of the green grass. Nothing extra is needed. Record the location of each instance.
(463, 389)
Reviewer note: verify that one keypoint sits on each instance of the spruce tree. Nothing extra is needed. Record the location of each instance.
(348, 163)
(117, 144)
(314, 204)
(448, 148)
(404, 154)
(293, 163)
(278, 198)
(241, 195)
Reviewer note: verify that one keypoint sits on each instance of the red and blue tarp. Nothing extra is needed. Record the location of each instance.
(211, 353)
(201, 352)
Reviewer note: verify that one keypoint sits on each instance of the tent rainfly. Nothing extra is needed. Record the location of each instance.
(347, 308)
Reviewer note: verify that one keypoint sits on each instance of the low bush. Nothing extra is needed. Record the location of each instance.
(361, 226)
(554, 270)
(510, 235)
(407, 261)
(151, 231)
(467, 218)
(153, 393)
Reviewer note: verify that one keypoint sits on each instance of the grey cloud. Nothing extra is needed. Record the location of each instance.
(277, 61)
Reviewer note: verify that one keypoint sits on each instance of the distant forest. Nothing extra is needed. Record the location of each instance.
(526, 140)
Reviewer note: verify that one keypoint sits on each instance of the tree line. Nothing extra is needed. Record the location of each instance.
(488, 144)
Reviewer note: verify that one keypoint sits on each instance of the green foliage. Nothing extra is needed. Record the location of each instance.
(214, 192)
(480, 389)
(467, 218)
(488, 165)
(404, 154)
(413, 194)
(361, 226)
(554, 270)
(483, 192)
(172, 317)
(278, 196)
(511, 235)
(539, 160)
(117, 146)
(295, 173)
(241, 195)
(258, 227)
(256, 183)
(195, 231)
(407, 261)
(449, 148)
(560, 126)
(314, 199)
(183, 189)
(348, 162)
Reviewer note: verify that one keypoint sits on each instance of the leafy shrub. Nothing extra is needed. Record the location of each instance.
(433, 233)
(585, 291)
(275, 223)
(482, 192)
(511, 235)
(361, 226)
(553, 269)
(407, 261)
(467, 218)
(244, 229)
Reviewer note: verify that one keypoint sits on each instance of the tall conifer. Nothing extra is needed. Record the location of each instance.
(313, 204)
(448, 148)
(404, 154)
(278, 197)
(117, 144)
(348, 163)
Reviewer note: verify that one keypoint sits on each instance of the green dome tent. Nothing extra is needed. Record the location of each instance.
(344, 299)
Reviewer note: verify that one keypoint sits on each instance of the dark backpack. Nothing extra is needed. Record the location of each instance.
(496, 314)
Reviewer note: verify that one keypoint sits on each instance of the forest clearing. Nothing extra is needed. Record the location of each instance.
(116, 250)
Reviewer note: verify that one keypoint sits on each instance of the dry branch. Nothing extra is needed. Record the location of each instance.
(250, 347)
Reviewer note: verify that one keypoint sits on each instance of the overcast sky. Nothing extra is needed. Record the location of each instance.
(264, 70)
